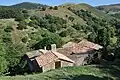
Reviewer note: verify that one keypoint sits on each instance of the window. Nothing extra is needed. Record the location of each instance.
(57, 64)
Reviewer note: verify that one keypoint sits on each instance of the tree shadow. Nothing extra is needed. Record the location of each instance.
(87, 77)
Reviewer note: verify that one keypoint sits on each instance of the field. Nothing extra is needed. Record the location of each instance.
(92, 72)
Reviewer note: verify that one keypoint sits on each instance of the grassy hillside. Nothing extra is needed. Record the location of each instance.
(61, 12)
(30, 29)
(86, 7)
(74, 73)
(25, 5)
(113, 9)
(16, 35)
(110, 8)
(28, 5)
(64, 13)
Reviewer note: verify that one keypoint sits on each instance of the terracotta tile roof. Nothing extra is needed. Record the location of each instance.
(86, 43)
(65, 51)
(74, 49)
(49, 57)
(63, 57)
(81, 47)
(46, 58)
(69, 44)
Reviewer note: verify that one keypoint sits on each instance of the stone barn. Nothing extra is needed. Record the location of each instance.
(82, 52)
(71, 54)
(52, 60)
(44, 60)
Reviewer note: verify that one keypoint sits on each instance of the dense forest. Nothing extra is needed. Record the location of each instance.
(49, 29)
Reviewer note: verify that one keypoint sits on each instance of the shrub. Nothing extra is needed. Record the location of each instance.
(71, 18)
(43, 8)
(64, 33)
(50, 7)
(77, 26)
(22, 25)
(24, 11)
(24, 39)
(56, 8)
(19, 18)
(8, 29)
(69, 8)
(66, 16)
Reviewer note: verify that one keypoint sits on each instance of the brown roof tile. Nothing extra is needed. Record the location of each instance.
(81, 47)
(86, 43)
(49, 57)
(46, 58)
(63, 57)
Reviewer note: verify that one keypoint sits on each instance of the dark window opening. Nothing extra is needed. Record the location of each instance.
(57, 64)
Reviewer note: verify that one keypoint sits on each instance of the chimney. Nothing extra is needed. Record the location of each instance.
(53, 47)
(45, 48)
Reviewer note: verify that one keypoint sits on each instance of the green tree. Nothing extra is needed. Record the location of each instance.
(19, 18)
(77, 26)
(24, 39)
(3, 62)
(71, 18)
(13, 56)
(56, 8)
(24, 11)
(8, 29)
(47, 41)
(50, 7)
(53, 28)
(22, 25)
(43, 8)
(69, 8)
(64, 33)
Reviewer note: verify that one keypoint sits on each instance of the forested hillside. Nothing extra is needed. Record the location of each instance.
(24, 29)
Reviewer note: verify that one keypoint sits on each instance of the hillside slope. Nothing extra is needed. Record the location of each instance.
(113, 10)
(86, 7)
(74, 73)
(26, 5)
(63, 11)
(110, 8)
(37, 28)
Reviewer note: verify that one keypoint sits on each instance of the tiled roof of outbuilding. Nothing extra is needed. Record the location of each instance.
(82, 47)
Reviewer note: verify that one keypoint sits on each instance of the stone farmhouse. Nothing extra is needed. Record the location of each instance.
(71, 54)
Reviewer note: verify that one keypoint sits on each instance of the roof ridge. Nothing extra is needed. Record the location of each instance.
(55, 54)
(62, 55)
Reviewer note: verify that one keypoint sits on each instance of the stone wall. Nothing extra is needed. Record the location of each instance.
(66, 64)
(79, 59)
(49, 66)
